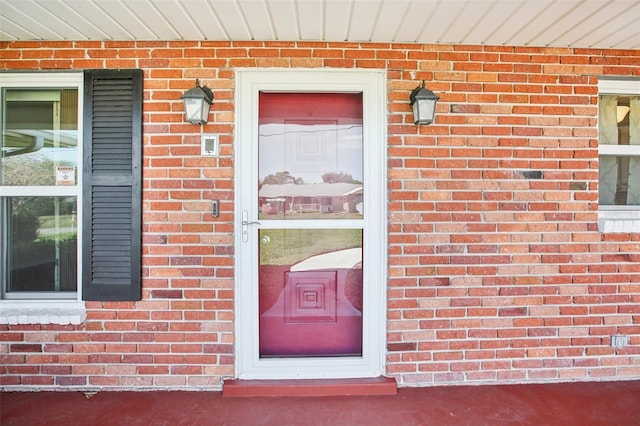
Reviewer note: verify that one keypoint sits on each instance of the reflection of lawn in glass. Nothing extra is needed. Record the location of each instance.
(289, 246)
(66, 227)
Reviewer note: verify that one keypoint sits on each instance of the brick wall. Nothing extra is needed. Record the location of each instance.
(497, 271)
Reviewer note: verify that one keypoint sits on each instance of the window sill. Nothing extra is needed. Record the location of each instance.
(38, 312)
(619, 221)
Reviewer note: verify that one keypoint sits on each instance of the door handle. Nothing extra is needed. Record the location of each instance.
(245, 225)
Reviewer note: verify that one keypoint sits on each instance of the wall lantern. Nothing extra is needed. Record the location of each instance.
(423, 103)
(197, 102)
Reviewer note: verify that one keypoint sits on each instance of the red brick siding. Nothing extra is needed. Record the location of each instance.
(497, 272)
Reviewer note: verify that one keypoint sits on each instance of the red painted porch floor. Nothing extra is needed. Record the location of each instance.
(603, 403)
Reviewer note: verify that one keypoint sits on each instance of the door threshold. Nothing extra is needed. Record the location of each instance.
(310, 387)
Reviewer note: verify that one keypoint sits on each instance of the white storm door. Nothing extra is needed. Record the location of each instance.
(310, 223)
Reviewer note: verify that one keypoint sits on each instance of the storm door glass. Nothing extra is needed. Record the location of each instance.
(310, 211)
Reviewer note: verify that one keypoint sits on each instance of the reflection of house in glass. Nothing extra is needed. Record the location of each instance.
(316, 197)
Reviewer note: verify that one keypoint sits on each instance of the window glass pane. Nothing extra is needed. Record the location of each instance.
(310, 292)
(619, 174)
(310, 156)
(41, 238)
(39, 143)
(609, 186)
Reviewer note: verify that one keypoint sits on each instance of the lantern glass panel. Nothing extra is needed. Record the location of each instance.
(196, 109)
(426, 108)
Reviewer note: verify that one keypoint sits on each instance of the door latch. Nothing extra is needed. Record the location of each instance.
(245, 225)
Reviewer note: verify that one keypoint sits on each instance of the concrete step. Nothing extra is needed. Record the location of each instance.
(310, 387)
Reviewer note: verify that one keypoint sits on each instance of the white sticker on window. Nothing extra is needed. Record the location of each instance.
(65, 175)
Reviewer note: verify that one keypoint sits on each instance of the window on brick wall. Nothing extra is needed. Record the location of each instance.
(69, 192)
(619, 155)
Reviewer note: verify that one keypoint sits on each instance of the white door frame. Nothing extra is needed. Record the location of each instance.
(372, 84)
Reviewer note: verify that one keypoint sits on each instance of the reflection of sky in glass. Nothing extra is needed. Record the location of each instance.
(308, 151)
(59, 155)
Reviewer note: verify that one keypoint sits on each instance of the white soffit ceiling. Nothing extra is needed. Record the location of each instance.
(562, 23)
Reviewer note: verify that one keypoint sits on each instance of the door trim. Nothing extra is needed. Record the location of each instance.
(372, 84)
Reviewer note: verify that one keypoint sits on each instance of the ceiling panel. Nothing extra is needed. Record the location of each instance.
(258, 17)
(621, 25)
(30, 20)
(130, 17)
(285, 20)
(469, 17)
(394, 13)
(230, 17)
(626, 34)
(415, 27)
(516, 22)
(311, 18)
(57, 14)
(337, 18)
(443, 20)
(10, 31)
(204, 16)
(367, 13)
(574, 31)
(73, 21)
(538, 21)
(93, 11)
(563, 23)
(174, 18)
(497, 17)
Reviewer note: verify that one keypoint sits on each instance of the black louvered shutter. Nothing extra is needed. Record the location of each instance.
(112, 185)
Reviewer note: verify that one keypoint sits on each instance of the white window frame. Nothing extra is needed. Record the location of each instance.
(45, 307)
(618, 218)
